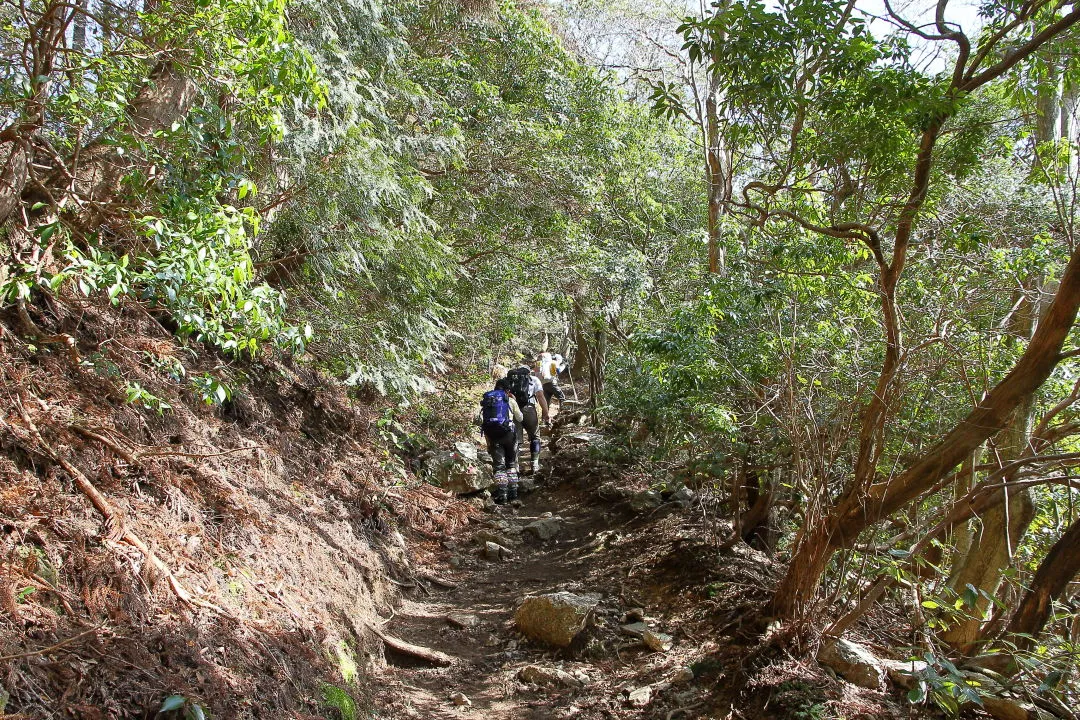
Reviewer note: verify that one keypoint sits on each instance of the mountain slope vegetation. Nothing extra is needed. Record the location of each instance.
(813, 261)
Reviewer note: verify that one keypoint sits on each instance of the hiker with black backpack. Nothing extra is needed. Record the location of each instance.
(529, 392)
(499, 419)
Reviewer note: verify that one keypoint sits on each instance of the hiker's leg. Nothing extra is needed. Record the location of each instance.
(497, 452)
(497, 449)
(498, 491)
(509, 442)
(532, 426)
(550, 389)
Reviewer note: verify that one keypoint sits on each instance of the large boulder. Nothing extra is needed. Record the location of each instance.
(853, 662)
(459, 470)
(556, 618)
(645, 501)
(545, 528)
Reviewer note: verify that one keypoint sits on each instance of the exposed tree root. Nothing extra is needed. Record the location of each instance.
(136, 457)
(114, 522)
(43, 337)
(31, 653)
(426, 654)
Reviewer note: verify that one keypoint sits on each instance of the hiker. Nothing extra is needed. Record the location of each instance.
(549, 366)
(499, 419)
(529, 391)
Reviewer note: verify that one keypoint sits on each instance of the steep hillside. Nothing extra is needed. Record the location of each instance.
(158, 540)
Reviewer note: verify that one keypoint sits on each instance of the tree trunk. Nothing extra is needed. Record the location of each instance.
(718, 161)
(580, 332)
(165, 98)
(78, 29)
(1056, 571)
(14, 172)
(984, 565)
(991, 552)
(961, 536)
(1046, 105)
(864, 504)
(719, 175)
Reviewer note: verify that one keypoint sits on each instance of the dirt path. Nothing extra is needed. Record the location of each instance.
(473, 623)
(490, 653)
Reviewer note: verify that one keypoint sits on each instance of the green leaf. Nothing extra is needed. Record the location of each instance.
(173, 702)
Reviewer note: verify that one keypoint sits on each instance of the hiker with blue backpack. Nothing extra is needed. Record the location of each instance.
(499, 420)
(529, 392)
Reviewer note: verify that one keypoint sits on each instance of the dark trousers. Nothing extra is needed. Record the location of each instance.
(552, 389)
(502, 446)
(531, 425)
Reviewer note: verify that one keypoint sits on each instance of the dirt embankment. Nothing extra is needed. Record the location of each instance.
(158, 542)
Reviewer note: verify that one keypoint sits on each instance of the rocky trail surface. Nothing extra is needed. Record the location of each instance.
(561, 540)
(612, 646)
(601, 595)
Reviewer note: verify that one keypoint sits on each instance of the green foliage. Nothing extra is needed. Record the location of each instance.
(181, 242)
(211, 390)
(944, 685)
(337, 699)
(179, 706)
(136, 393)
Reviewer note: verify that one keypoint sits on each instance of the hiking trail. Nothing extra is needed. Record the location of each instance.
(605, 672)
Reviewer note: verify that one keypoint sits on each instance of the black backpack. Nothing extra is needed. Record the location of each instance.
(519, 381)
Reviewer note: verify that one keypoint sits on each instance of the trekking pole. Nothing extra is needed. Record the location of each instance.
(571, 376)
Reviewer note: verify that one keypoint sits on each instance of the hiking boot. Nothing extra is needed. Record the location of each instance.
(498, 490)
(512, 490)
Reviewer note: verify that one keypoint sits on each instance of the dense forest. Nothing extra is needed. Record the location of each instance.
(811, 260)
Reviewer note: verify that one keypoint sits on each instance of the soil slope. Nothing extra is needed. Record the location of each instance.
(246, 548)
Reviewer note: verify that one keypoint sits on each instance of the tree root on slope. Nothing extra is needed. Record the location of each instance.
(117, 530)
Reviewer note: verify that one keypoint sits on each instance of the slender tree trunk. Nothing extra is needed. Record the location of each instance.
(1047, 106)
(78, 29)
(992, 549)
(718, 160)
(719, 176)
(1056, 571)
(579, 330)
(962, 535)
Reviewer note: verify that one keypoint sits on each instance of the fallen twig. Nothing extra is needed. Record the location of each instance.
(31, 653)
(436, 580)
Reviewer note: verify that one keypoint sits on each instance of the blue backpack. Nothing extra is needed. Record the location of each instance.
(495, 411)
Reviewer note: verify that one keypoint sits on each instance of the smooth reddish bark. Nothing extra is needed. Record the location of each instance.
(1057, 570)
